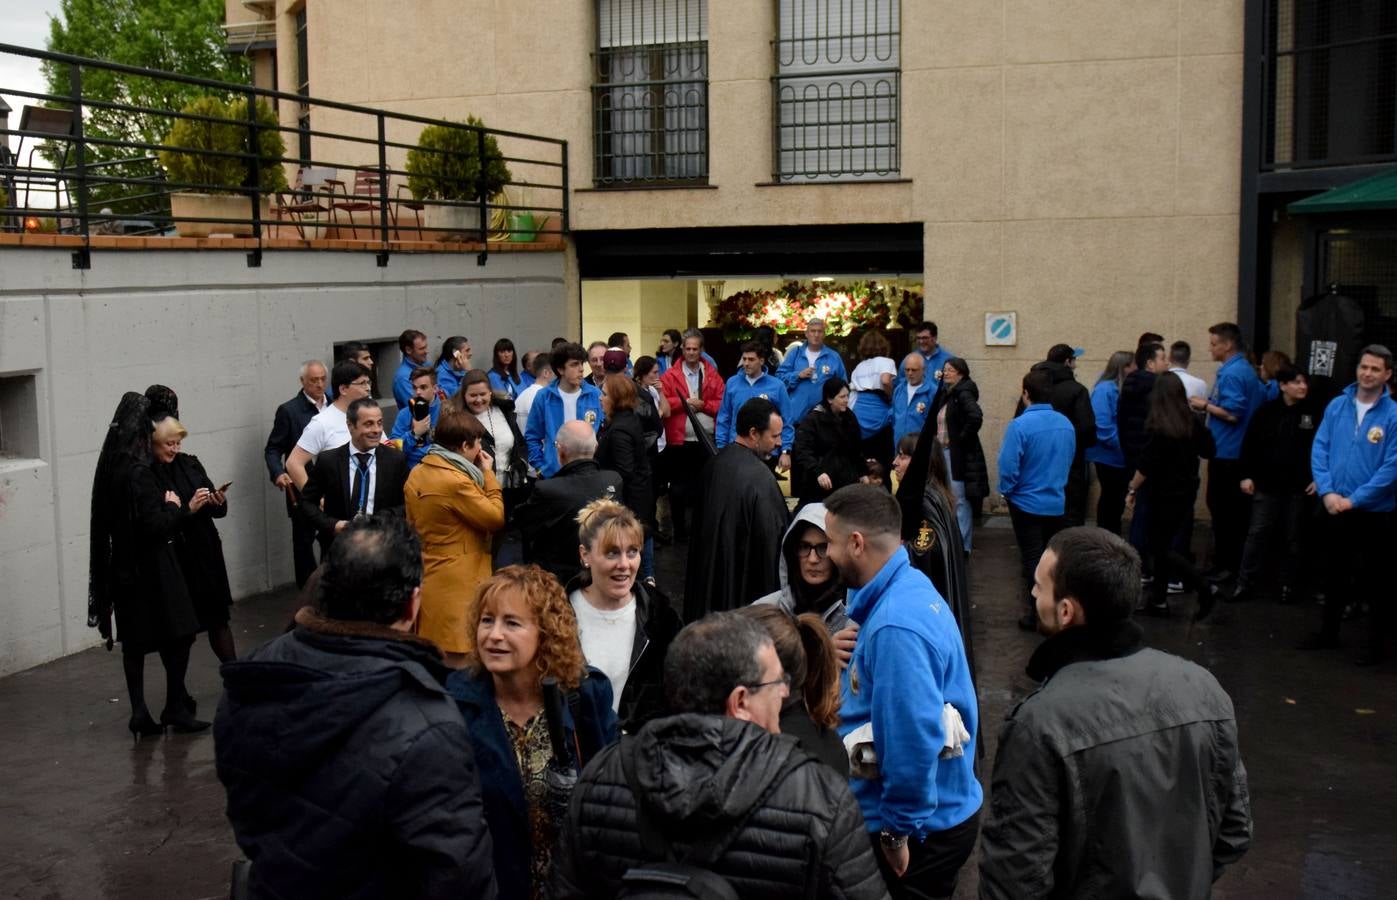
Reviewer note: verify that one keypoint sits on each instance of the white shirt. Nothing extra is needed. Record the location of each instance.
(328, 430)
(373, 478)
(868, 376)
(523, 403)
(1193, 385)
(569, 403)
(694, 377)
(607, 639)
(811, 356)
(1363, 408)
(321, 405)
(498, 428)
(655, 392)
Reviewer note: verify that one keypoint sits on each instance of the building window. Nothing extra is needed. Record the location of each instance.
(303, 86)
(837, 89)
(19, 418)
(650, 93)
(1331, 68)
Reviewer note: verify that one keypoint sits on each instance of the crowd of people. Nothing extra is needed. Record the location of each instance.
(487, 691)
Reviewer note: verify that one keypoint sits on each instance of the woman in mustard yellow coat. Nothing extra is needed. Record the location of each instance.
(455, 503)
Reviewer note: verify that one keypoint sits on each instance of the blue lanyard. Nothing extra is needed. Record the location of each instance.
(363, 485)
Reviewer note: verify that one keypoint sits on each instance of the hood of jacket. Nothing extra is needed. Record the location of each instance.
(313, 687)
(810, 514)
(707, 770)
(1060, 372)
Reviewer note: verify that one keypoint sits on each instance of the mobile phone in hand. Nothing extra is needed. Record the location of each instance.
(225, 486)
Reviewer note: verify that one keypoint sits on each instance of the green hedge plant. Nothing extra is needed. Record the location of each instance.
(222, 173)
(445, 164)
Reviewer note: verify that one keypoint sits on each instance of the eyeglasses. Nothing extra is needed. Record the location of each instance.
(784, 679)
(820, 550)
(360, 384)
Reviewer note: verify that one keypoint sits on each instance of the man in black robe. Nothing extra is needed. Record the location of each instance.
(739, 519)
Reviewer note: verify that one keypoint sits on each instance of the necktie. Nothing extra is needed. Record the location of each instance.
(361, 483)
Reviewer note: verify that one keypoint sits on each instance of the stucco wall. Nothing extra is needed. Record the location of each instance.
(229, 339)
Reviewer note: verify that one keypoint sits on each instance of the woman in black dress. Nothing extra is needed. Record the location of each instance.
(827, 453)
(134, 571)
(200, 549)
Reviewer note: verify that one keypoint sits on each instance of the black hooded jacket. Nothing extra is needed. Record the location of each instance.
(1073, 400)
(348, 768)
(701, 774)
(1132, 409)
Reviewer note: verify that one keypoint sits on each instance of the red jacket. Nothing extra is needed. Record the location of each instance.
(676, 389)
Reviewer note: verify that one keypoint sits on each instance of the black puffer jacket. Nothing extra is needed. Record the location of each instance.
(348, 768)
(621, 448)
(1073, 400)
(702, 774)
(1131, 411)
(963, 420)
(826, 443)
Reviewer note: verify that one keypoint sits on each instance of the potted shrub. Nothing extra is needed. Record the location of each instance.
(184, 162)
(446, 164)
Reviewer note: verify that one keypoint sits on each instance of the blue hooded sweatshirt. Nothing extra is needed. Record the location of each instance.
(908, 662)
(1035, 458)
(546, 417)
(805, 393)
(1357, 461)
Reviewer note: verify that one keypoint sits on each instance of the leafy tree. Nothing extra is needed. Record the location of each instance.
(181, 36)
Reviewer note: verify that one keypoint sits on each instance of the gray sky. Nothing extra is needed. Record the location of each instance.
(26, 24)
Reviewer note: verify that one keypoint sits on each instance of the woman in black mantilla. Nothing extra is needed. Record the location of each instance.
(133, 570)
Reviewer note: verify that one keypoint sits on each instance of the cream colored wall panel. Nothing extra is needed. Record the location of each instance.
(1063, 30)
(1210, 134)
(1211, 26)
(543, 45)
(1091, 139)
(950, 33)
(1205, 260)
(740, 33)
(954, 142)
(739, 137)
(963, 277)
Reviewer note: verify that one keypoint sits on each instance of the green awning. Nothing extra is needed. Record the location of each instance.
(1377, 192)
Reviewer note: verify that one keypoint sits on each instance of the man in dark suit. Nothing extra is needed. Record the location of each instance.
(363, 477)
(291, 419)
(548, 519)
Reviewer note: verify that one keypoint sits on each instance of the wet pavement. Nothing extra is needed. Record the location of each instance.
(85, 813)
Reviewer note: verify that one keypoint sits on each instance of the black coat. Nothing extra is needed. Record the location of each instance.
(348, 769)
(548, 519)
(826, 443)
(822, 743)
(1132, 409)
(332, 479)
(621, 448)
(149, 594)
(1276, 448)
(963, 420)
(704, 774)
(1073, 400)
(1170, 464)
(656, 624)
(291, 419)
(200, 549)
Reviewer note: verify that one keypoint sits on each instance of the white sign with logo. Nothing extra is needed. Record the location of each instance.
(1001, 329)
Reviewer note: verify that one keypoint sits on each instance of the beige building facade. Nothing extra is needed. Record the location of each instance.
(1075, 162)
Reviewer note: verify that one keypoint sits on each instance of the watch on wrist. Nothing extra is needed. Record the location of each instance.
(892, 841)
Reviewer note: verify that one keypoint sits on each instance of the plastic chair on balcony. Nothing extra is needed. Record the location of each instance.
(364, 199)
(308, 198)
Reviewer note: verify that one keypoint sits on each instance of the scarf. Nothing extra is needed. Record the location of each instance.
(459, 462)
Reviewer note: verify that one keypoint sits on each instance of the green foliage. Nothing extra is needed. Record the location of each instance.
(446, 163)
(227, 135)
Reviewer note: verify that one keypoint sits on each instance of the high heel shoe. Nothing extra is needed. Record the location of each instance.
(143, 726)
(181, 721)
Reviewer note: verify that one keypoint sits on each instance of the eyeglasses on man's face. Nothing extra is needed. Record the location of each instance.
(784, 679)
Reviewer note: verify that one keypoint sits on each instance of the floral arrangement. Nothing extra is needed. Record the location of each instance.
(845, 308)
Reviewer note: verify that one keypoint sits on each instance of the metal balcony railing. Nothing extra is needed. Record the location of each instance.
(378, 180)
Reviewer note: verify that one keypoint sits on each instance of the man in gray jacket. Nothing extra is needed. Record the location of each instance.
(1120, 776)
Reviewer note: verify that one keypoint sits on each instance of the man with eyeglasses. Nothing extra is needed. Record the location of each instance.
(908, 712)
(329, 429)
(718, 777)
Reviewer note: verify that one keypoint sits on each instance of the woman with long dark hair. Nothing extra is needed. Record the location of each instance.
(505, 377)
(502, 439)
(134, 572)
(1106, 453)
(669, 351)
(452, 364)
(1175, 440)
(827, 452)
(955, 421)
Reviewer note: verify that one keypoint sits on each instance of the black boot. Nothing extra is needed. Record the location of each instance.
(181, 721)
(143, 726)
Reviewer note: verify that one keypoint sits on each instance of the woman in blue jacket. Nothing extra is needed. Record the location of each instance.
(1106, 453)
(525, 631)
(505, 377)
(452, 365)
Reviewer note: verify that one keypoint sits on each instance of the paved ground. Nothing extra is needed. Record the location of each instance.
(85, 814)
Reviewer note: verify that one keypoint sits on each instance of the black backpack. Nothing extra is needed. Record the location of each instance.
(692, 876)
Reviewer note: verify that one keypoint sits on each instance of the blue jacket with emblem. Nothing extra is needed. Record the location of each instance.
(909, 413)
(908, 662)
(546, 417)
(805, 393)
(1357, 461)
(738, 391)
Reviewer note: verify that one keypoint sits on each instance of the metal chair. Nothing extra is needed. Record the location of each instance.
(364, 198)
(304, 198)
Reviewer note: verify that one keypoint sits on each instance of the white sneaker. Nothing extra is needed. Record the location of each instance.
(1175, 587)
(1147, 579)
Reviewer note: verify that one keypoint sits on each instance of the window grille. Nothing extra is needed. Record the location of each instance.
(837, 90)
(1363, 264)
(650, 93)
(1331, 81)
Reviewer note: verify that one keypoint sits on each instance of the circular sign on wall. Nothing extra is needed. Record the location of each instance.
(1001, 329)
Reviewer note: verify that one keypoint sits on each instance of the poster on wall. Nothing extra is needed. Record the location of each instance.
(1001, 329)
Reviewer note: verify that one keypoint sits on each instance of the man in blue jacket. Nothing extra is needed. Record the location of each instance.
(933, 355)
(1034, 462)
(908, 714)
(1354, 462)
(912, 396)
(415, 429)
(413, 345)
(806, 368)
(751, 381)
(1237, 392)
(569, 398)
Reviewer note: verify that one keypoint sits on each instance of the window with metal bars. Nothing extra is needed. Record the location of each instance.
(1363, 265)
(1331, 81)
(650, 93)
(837, 90)
(303, 85)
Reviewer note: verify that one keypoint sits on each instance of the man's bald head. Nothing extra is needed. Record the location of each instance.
(914, 367)
(576, 440)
